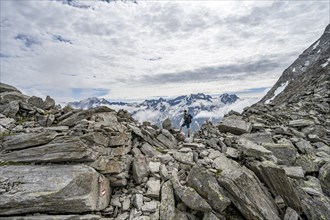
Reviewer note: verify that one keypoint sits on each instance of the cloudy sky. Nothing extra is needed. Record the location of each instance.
(124, 50)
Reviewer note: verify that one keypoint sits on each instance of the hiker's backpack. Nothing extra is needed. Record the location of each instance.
(189, 118)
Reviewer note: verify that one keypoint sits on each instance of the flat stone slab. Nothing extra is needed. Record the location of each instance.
(72, 151)
(27, 140)
(52, 189)
(235, 125)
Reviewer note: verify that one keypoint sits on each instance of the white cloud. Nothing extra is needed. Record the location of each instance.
(113, 46)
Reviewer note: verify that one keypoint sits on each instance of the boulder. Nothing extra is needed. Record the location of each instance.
(11, 109)
(291, 214)
(70, 151)
(245, 191)
(45, 120)
(324, 177)
(168, 143)
(251, 149)
(54, 189)
(259, 137)
(49, 103)
(300, 123)
(307, 163)
(140, 168)
(167, 124)
(76, 117)
(190, 197)
(118, 139)
(277, 181)
(304, 147)
(55, 217)
(186, 158)
(148, 150)
(13, 96)
(235, 125)
(37, 102)
(285, 153)
(207, 186)
(7, 88)
(110, 165)
(27, 140)
(295, 172)
(167, 204)
(153, 188)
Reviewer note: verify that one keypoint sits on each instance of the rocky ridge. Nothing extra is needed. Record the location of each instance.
(270, 162)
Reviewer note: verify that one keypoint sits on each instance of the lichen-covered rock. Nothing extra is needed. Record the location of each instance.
(27, 140)
(245, 191)
(167, 204)
(140, 168)
(324, 177)
(55, 189)
(207, 186)
(235, 125)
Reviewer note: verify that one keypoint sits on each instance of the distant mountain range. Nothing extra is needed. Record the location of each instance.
(201, 106)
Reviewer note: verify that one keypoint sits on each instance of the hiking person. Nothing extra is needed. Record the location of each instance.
(186, 121)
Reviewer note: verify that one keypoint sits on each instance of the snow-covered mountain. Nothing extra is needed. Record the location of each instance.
(201, 106)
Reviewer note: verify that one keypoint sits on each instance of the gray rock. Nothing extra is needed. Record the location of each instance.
(154, 167)
(184, 157)
(54, 217)
(210, 216)
(235, 125)
(13, 96)
(245, 191)
(167, 124)
(295, 172)
(7, 88)
(305, 146)
(207, 186)
(300, 123)
(277, 181)
(98, 138)
(232, 152)
(190, 197)
(55, 189)
(259, 137)
(37, 102)
(165, 141)
(286, 153)
(11, 109)
(150, 206)
(75, 118)
(69, 151)
(109, 165)
(167, 204)
(153, 188)
(324, 177)
(148, 150)
(291, 214)
(138, 201)
(140, 168)
(250, 149)
(315, 207)
(118, 140)
(45, 120)
(22, 141)
(307, 163)
(7, 122)
(49, 103)
(179, 215)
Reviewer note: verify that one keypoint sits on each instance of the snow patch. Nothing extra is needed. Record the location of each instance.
(294, 70)
(326, 63)
(316, 44)
(278, 91)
